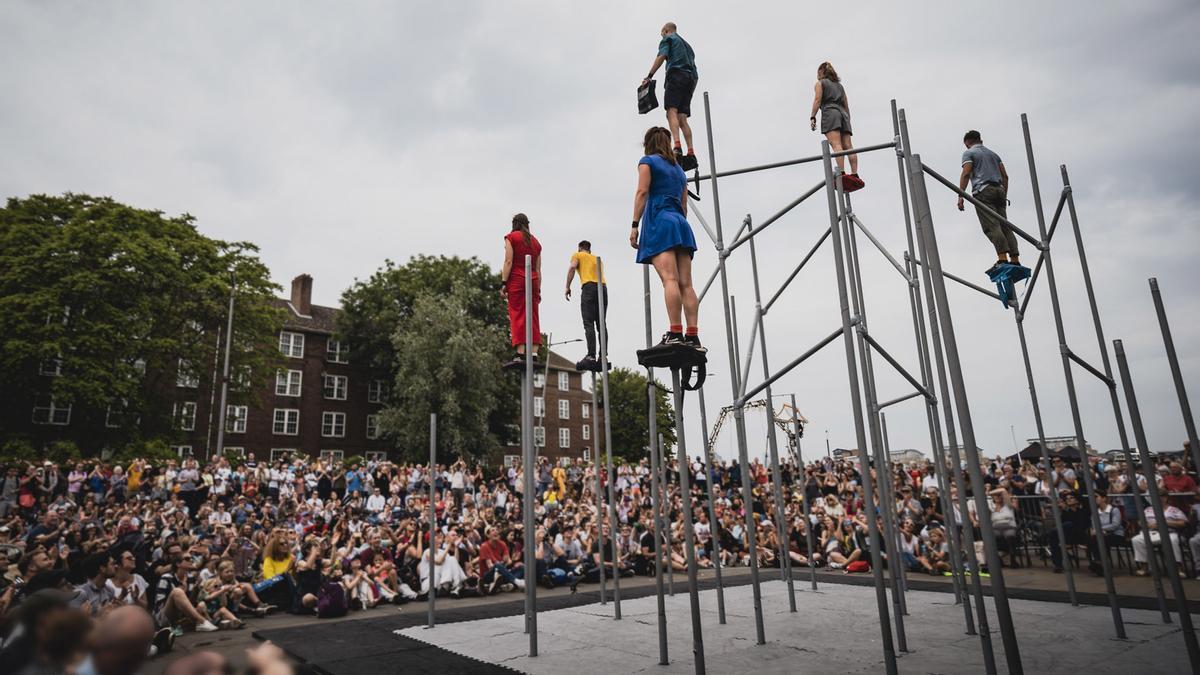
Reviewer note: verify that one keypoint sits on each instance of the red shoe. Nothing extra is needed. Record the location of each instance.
(851, 182)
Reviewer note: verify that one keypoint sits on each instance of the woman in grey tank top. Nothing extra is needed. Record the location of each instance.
(830, 98)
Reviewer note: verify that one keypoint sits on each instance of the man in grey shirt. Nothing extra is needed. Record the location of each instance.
(989, 184)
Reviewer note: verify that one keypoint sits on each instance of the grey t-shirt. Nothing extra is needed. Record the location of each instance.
(985, 167)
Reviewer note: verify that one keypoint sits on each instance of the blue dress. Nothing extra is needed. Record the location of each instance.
(664, 226)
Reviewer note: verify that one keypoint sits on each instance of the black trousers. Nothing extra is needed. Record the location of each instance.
(589, 307)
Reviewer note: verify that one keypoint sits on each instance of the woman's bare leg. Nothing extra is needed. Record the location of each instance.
(848, 144)
(664, 264)
(687, 292)
(835, 144)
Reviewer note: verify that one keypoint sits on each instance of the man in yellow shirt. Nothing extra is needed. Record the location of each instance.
(591, 285)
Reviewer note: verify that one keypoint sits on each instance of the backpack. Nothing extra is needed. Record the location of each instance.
(331, 601)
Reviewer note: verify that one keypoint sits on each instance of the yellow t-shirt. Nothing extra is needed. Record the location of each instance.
(586, 263)
(272, 567)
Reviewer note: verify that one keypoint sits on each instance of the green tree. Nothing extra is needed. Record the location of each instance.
(447, 362)
(116, 300)
(373, 310)
(630, 427)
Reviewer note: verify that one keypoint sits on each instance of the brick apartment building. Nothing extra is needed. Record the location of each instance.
(323, 404)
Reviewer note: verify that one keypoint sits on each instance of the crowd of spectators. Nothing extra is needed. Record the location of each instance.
(104, 565)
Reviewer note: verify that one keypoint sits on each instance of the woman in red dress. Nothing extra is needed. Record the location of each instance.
(518, 244)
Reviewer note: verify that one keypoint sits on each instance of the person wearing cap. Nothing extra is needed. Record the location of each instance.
(590, 288)
(984, 170)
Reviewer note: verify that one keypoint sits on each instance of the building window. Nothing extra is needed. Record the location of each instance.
(186, 376)
(539, 436)
(539, 406)
(287, 422)
(514, 434)
(292, 344)
(185, 414)
(235, 419)
(564, 438)
(114, 415)
(585, 411)
(372, 426)
(333, 424)
(239, 379)
(51, 367)
(376, 391)
(287, 382)
(335, 386)
(512, 460)
(539, 379)
(332, 455)
(48, 411)
(184, 451)
(278, 454)
(586, 432)
(587, 454)
(232, 451)
(564, 410)
(336, 351)
(375, 455)
(564, 381)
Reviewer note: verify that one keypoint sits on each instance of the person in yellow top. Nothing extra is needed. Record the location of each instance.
(590, 287)
(559, 475)
(277, 558)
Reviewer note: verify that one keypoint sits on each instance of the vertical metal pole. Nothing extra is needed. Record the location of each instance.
(1112, 384)
(882, 465)
(1055, 511)
(713, 525)
(966, 536)
(597, 468)
(1008, 634)
(1072, 397)
(221, 411)
(689, 534)
(733, 383)
(902, 565)
(531, 467)
(433, 514)
(808, 525)
(1185, 407)
(656, 496)
(781, 522)
(885, 628)
(1164, 531)
(612, 503)
(664, 510)
(931, 413)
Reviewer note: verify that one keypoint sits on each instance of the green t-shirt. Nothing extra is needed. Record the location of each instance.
(678, 53)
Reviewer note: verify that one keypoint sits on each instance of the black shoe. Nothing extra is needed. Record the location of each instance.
(679, 156)
(164, 639)
(688, 162)
(994, 268)
(546, 582)
(670, 339)
(693, 341)
(574, 586)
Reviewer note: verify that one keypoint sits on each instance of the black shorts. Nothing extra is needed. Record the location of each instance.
(679, 89)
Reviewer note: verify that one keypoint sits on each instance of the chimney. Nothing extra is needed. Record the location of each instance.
(302, 294)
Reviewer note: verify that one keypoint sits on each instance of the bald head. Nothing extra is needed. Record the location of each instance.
(669, 27)
(121, 640)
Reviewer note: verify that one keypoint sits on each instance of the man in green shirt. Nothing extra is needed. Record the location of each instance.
(680, 85)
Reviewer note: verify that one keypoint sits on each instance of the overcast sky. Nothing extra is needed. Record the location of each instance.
(336, 135)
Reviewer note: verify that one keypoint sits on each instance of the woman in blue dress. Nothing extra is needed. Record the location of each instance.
(666, 240)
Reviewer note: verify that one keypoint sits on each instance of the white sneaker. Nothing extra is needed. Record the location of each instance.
(407, 592)
(152, 652)
(206, 627)
(520, 584)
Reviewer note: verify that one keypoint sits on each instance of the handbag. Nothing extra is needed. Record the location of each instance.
(647, 98)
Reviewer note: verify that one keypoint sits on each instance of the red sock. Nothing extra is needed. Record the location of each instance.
(676, 328)
(691, 151)
(679, 147)
(693, 330)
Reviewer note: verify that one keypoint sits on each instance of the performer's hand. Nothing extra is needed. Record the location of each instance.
(568, 293)
(812, 123)
(960, 204)
(633, 237)
(504, 291)
(644, 81)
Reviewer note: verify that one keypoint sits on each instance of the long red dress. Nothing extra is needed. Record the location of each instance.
(516, 287)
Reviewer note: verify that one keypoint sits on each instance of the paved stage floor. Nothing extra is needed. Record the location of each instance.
(835, 630)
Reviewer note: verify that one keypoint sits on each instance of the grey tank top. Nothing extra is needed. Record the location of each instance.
(832, 93)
